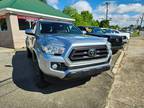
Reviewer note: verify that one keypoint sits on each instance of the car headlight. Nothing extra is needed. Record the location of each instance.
(109, 45)
(53, 49)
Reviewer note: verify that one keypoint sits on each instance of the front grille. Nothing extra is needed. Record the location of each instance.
(116, 41)
(124, 37)
(82, 53)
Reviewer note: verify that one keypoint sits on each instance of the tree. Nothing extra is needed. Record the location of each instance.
(114, 27)
(70, 11)
(104, 23)
(87, 18)
(78, 20)
(95, 23)
(74, 14)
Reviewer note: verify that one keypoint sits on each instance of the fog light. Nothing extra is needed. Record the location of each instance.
(58, 66)
(55, 66)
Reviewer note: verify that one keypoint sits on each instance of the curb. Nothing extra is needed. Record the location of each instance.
(6, 50)
(115, 70)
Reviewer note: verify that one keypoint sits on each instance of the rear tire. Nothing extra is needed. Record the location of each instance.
(39, 76)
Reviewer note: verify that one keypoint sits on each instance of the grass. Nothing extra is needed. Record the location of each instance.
(136, 34)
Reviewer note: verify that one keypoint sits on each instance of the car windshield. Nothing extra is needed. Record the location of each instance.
(97, 31)
(108, 31)
(56, 27)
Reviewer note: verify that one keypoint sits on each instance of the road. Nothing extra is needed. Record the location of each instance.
(18, 90)
(128, 88)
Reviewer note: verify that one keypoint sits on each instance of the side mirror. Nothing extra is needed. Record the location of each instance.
(30, 32)
(84, 32)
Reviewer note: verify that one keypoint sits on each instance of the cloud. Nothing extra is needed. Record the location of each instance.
(53, 3)
(121, 14)
(82, 6)
(118, 19)
(122, 8)
(124, 19)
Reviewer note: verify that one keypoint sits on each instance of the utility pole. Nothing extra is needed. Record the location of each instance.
(107, 9)
(141, 20)
(137, 22)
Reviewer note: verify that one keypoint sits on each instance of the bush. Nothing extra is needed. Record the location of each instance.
(136, 33)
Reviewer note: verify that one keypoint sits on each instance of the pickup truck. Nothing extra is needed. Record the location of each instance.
(61, 50)
(116, 41)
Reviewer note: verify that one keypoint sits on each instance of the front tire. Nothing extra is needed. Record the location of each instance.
(39, 76)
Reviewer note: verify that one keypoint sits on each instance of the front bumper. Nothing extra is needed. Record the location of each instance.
(114, 48)
(125, 41)
(45, 62)
(88, 70)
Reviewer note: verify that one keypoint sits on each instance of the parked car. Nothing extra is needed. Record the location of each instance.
(59, 49)
(125, 36)
(116, 41)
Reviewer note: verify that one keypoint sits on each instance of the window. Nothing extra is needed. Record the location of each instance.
(3, 25)
(116, 32)
(55, 27)
(23, 24)
(97, 31)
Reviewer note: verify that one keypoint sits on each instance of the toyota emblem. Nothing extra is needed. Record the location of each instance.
(92, 53)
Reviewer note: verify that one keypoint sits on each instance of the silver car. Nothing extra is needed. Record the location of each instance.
(59, 49)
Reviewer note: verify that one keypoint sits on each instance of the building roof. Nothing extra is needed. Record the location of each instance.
(34, 7)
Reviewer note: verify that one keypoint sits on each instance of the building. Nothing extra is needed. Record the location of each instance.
(18, 15)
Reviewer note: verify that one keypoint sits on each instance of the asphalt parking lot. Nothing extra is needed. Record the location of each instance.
(18, 89)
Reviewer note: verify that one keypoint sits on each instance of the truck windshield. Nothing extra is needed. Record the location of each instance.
(55, 27)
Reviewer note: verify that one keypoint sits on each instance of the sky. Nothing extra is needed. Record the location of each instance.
(121, 12)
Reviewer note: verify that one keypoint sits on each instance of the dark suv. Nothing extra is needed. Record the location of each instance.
(116, 41)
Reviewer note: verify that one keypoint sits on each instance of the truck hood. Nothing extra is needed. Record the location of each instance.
(72, 39)
(104, 35)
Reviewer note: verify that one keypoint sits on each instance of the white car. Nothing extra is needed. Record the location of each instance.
(122, 33)
(126, 36)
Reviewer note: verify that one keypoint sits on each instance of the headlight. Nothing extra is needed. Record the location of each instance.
(53, 49)
(109, 45)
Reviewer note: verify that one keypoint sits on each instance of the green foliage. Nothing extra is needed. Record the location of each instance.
(136, 33)
(114, 27)
(70, 11)
(95, 23)
(104, 23)
(78, 19)
(85, 18)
